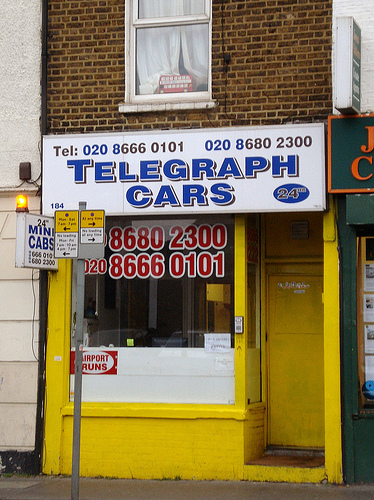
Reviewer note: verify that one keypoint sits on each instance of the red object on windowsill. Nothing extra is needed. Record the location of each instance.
(175, 83)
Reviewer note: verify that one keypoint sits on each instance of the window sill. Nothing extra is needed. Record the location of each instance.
(165, 106)
(162, 411)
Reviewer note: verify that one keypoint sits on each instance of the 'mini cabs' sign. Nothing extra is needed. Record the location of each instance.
(246, 169)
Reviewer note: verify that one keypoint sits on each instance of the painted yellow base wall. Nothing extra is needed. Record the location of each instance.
(156, 448)
(204, 442)
(197, 449)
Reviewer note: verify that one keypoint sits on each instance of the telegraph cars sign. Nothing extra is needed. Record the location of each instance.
(247, 169)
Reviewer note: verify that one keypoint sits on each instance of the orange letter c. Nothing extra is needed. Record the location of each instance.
(354, 168)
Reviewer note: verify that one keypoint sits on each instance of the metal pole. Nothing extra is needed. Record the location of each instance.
(78, 375)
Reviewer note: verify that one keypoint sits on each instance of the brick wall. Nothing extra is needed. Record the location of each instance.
(280, 68)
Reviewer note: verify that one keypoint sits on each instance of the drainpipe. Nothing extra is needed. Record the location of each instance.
(43, 279)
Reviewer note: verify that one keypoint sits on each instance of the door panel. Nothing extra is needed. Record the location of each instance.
(295, 356)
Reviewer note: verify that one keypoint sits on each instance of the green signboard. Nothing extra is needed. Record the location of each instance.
(351, 154)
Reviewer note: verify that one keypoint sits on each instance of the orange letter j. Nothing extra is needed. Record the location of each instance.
(369, 148)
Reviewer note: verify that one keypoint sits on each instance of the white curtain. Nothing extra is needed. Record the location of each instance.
(169, 8)
(161, 50)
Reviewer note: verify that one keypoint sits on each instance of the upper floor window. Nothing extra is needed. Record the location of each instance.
(168, 51)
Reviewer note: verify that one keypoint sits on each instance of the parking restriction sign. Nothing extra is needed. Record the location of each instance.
(79, 234)
(66, 234)
(91, 234)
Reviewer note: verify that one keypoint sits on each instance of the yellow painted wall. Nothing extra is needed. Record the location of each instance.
(156, 448)
(333, 441)
(194, 442)
(172, 441)
(57, 365)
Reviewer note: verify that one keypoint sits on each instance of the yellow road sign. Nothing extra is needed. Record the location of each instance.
(66, 221)
(92, 218)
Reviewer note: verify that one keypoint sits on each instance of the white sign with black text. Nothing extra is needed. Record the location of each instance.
(35, 241)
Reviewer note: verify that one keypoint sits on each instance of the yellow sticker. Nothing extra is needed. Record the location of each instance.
(66, 221)
(92, 218)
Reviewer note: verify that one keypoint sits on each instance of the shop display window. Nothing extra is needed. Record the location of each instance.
(159, 312)
(365, 321)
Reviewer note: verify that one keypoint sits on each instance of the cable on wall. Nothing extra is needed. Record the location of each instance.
(226, 56)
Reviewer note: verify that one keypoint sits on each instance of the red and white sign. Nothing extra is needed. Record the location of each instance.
(96, 362)
(205, 244)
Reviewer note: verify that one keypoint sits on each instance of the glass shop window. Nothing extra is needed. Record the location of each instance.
(159, 312)
(365, 321)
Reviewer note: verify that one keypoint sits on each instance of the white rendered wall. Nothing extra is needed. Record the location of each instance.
(363, 13)
(20, 63)
(20, 56)
(19, 329)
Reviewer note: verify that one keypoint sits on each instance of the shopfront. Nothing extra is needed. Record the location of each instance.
(351, 144)
(205, 321)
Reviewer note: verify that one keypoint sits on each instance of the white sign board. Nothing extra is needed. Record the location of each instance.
(35, 241)
(66, 246)
(217, 342)
(246, 169)
(92, 234)
(66, 234)
(166, 375)
(347, 81)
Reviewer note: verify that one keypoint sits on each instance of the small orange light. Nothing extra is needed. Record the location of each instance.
(22, 204)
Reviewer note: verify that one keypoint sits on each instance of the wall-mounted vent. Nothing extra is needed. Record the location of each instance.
(300, 230)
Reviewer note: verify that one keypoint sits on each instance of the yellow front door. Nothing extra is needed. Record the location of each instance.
(295, 361)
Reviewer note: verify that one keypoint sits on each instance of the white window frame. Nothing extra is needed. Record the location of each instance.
(159, 102)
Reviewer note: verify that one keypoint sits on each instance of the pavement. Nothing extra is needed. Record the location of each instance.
(59, 488)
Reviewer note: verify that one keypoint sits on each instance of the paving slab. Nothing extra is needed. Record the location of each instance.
(59, 488)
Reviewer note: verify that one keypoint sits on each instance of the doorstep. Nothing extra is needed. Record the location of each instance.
(287, 465)
(291, 457)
